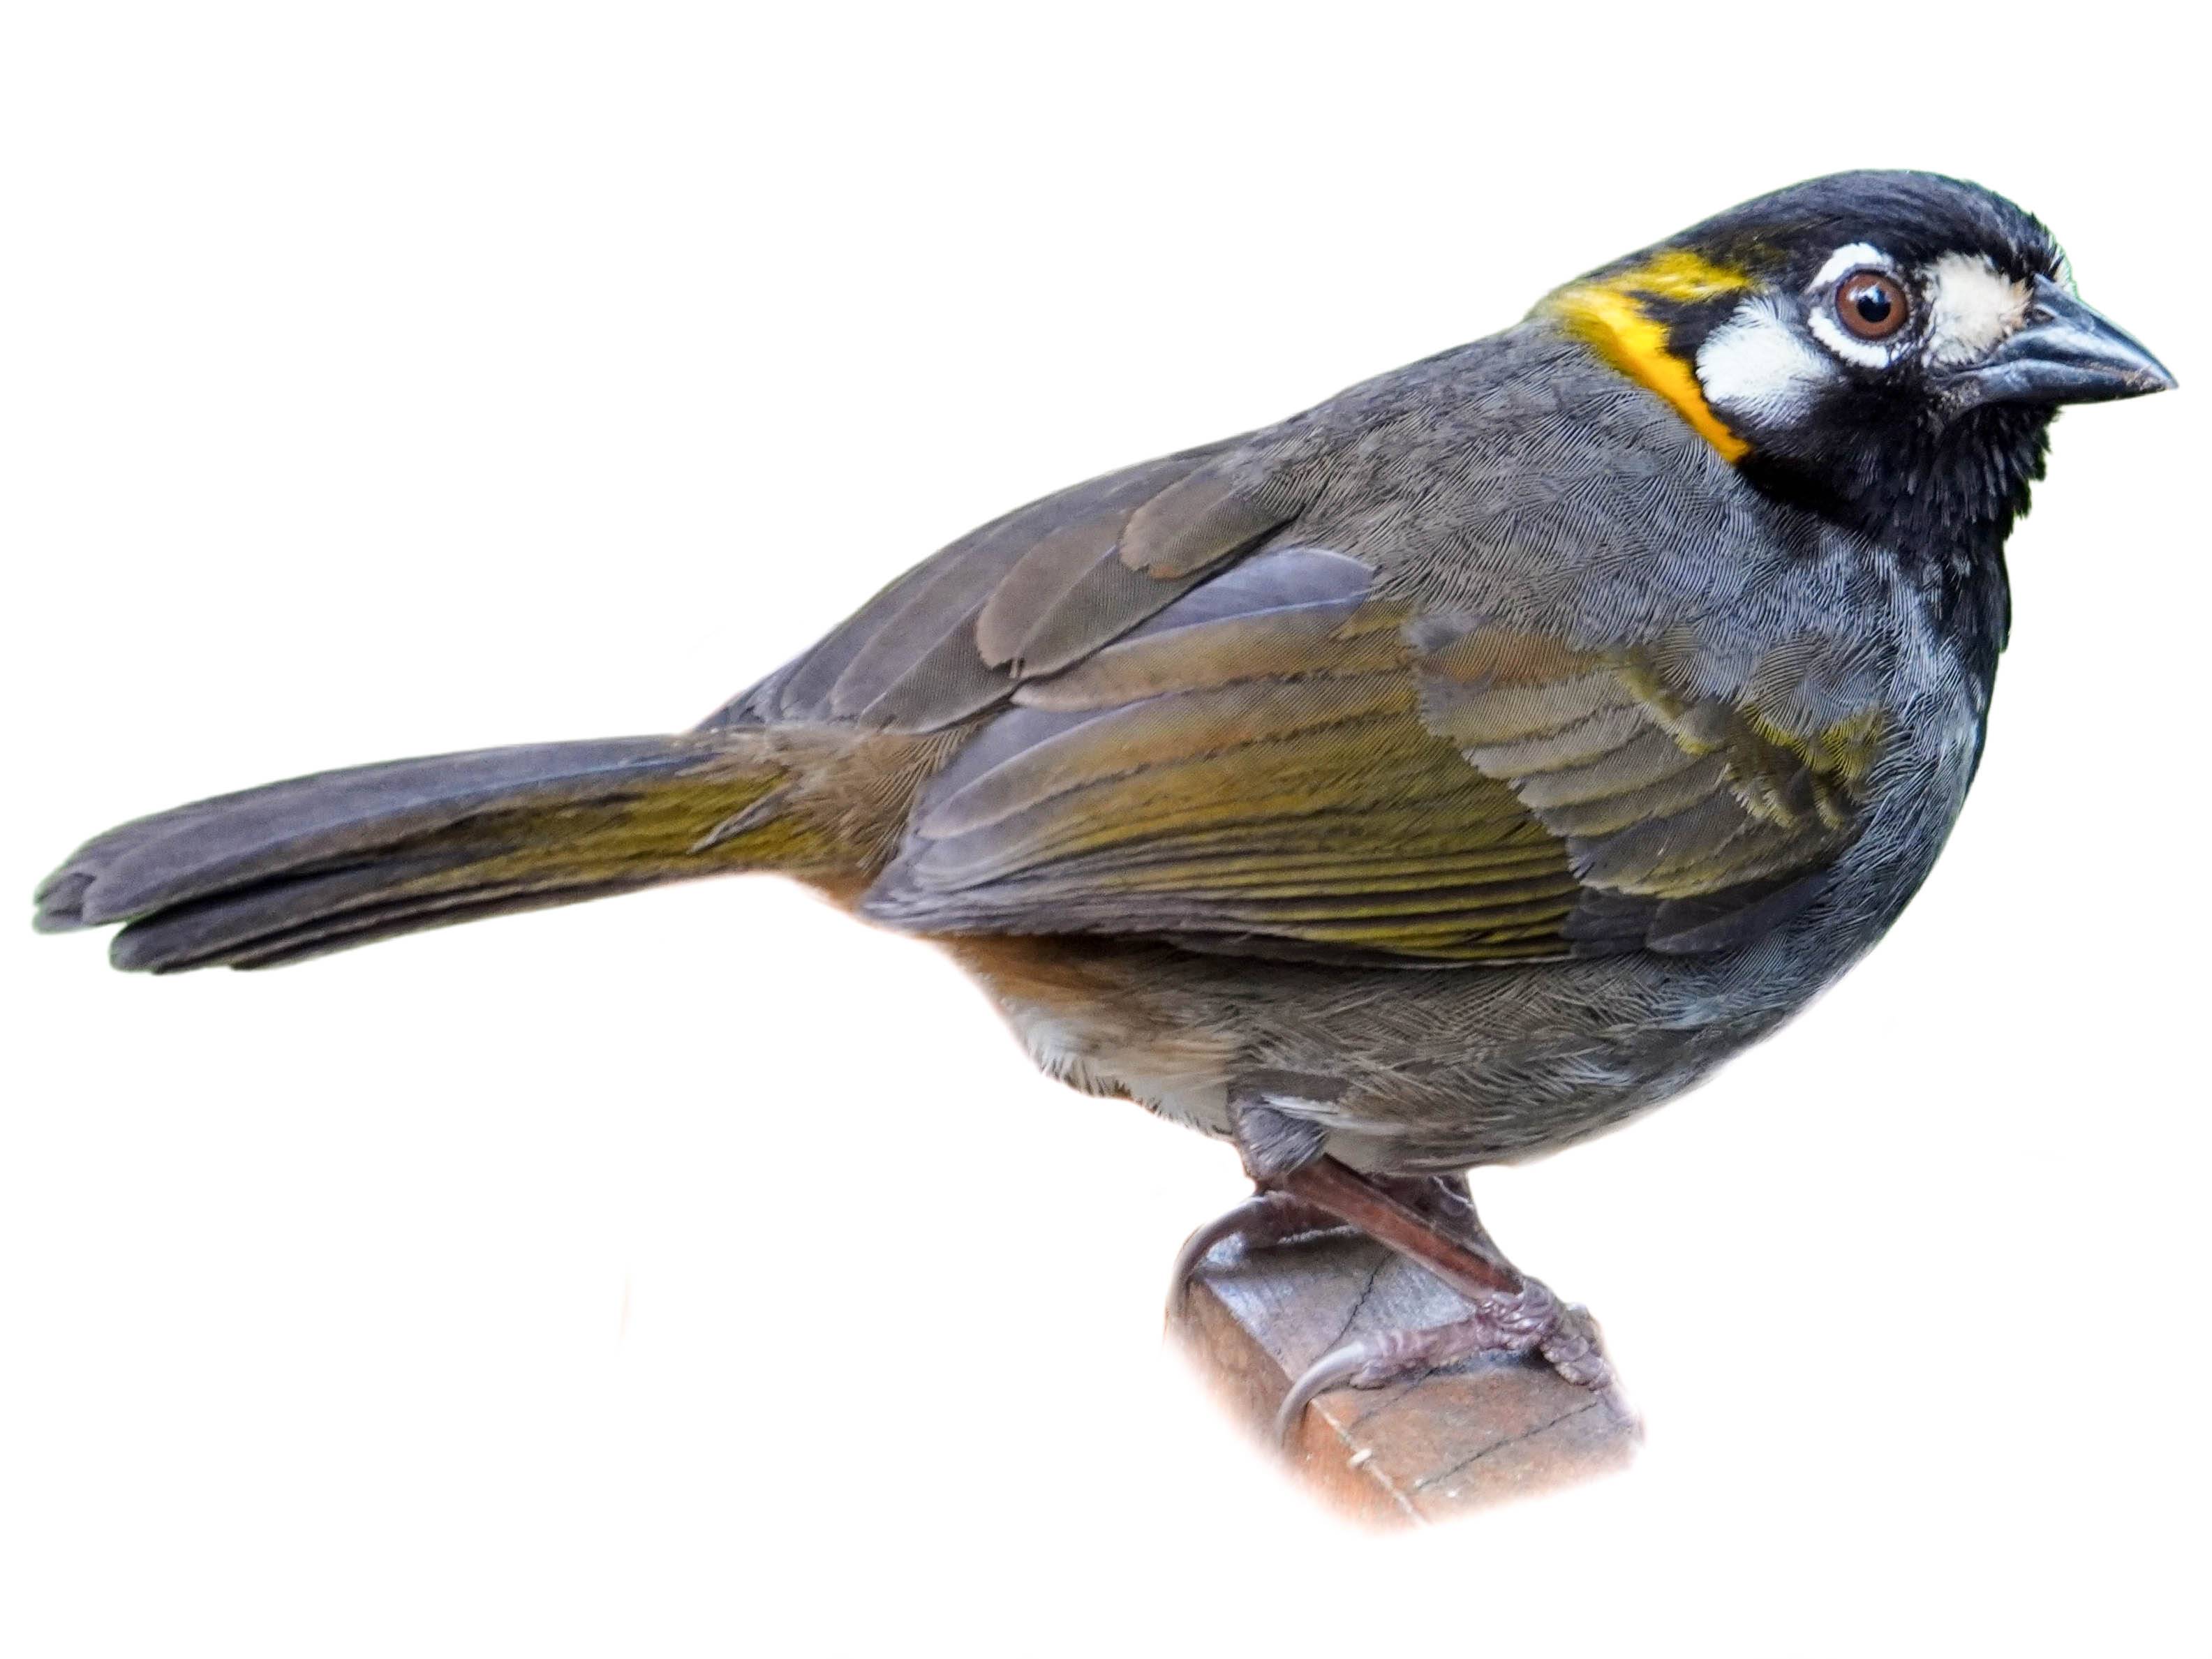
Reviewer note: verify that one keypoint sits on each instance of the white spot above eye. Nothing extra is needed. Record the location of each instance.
(1848, 259)
(1759, 367)
(1973, 306)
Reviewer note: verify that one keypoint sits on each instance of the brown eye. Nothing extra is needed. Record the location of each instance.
(1872, 304)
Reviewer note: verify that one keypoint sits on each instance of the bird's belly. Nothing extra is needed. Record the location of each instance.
(1110, 1018)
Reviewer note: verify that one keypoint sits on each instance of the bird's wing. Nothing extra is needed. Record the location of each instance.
(1188, 707)
(1280, 764)
(1027, 595)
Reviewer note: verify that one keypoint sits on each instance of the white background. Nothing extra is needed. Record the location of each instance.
(703, 1273)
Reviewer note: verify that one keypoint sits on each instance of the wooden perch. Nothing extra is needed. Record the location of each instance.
(1422, 1451)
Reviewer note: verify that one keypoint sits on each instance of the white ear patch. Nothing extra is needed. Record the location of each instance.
(1971, 307)
(1757, 365)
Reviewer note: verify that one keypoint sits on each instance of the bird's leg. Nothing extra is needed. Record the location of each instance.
(1431, 1220)
(1446, 1201)
(1510, 1313)
(1272, 1144)
(1271, 1216)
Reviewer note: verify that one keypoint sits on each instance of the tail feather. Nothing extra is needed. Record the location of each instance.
(171, 941)
(324, 863)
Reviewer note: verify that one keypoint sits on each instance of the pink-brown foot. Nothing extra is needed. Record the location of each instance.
(1436, 1226)
(1530, 1322)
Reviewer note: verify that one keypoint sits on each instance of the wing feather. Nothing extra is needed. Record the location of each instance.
(1025, 595)
(1320, 777)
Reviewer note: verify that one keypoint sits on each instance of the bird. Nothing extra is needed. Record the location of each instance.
(1436, 778)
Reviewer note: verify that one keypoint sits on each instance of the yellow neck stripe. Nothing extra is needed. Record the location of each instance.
(1608, 314)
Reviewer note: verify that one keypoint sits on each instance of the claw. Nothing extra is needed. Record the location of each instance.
(1531, 1323)
(1333, 1369)
(1269, 1217)
(1430, 1220)
(1245, 1218)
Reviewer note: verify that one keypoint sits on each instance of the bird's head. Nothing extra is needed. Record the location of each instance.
(1886, 347)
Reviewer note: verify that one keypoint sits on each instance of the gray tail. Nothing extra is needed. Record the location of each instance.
(324, 863)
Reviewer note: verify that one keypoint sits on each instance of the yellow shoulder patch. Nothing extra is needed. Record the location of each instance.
(1608, 313)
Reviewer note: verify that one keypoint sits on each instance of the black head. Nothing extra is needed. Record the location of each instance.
(1885, 349)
